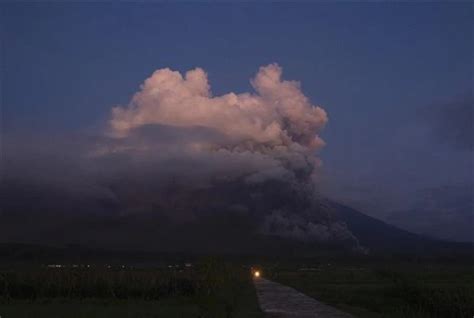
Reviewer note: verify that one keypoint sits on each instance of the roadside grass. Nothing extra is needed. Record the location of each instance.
(212, 288)
(392, 291)
(93, 308)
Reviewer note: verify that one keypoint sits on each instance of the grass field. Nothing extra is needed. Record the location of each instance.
(213, 288)
(388, 290)
(208, 289)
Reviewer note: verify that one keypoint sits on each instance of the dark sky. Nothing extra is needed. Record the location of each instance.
(395, 79)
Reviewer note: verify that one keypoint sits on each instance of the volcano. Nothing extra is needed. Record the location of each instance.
(273, 218)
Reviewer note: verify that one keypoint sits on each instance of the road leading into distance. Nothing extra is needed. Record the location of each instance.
(280, 301)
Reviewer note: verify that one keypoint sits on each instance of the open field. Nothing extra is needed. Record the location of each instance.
(208, 289)
(218, 288)
(387, 289)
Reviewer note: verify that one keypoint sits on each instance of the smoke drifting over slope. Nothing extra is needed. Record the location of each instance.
(178, 154)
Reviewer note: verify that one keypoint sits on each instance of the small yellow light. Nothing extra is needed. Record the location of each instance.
(256, 274)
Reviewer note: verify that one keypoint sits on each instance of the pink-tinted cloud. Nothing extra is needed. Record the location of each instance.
(279, 114)
(276, 125)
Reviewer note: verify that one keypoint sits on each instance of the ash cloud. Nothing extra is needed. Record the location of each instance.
(177, 156)
(278, 115)
(270, 134)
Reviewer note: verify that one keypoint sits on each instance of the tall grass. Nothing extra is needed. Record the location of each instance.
(208, 277)
(395, 291)
(214, 288)
(432, 300)
(95, 283)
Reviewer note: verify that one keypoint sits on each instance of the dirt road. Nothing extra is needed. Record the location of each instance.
(280, 301)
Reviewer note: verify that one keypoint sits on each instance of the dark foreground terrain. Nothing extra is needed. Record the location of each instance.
(205, 289)
(392, 289)
(73, 283)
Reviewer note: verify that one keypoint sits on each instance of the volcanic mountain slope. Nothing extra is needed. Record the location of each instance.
(444, 212)
(382, 237)
(273, 218)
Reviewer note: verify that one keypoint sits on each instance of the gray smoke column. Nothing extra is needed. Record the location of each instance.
(261, 145)
(272, 133)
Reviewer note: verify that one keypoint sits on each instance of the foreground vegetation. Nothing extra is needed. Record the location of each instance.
(212, 288)
(208, 289)
(388, 289)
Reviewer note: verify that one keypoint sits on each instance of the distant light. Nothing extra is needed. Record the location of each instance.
(256, 274)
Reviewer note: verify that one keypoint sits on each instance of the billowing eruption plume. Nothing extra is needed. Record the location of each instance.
(268, 140)
(271, 134)
(279, 115)
(236, 163)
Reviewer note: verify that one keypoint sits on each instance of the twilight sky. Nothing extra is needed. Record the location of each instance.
(395, 79)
